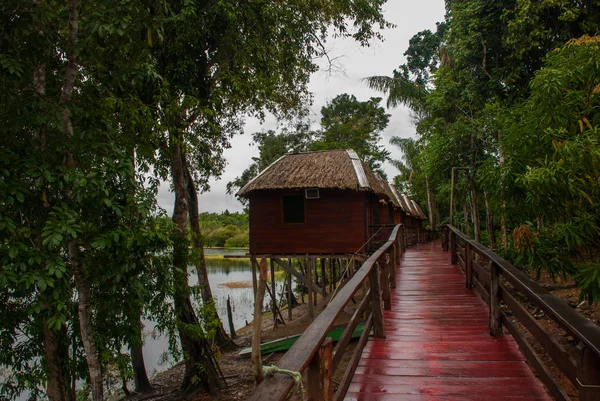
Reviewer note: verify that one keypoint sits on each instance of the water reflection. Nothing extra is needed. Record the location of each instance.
(220, 272)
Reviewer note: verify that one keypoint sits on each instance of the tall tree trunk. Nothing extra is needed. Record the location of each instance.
(503, 230)
(475, 211)
(467, 227)
(84, 293)
(57, 383)
(430, 204)
(200, 364)
(81, 282)
(490, 222)
(136, 343)
(221, 337)
(142, 384)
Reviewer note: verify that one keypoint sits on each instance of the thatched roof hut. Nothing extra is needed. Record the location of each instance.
(390, 192)
(332, 169)
(417, 208)
(326, 202)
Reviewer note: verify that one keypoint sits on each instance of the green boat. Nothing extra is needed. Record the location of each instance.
(285, 343)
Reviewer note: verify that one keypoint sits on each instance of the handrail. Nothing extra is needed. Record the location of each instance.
(583, 371)
(562, 313)
(306, 348)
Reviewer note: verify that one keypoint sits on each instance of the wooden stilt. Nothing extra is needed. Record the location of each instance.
(230, 318)
(256, 329)
(289, 296)
(288, 267)
(309, 270)
(314, 266)
(254, 264)
(273, 292)
(323, 277)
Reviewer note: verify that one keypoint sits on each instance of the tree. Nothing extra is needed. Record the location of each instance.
(271, 146)
(69, 179)
(220, 61)
(347, 123)
(94, 95)
(498, 104)
(410, 85)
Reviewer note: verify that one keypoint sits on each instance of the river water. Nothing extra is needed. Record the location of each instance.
(220, 272)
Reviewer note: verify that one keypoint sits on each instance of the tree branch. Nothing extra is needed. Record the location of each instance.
(484, 62)
(72, 56)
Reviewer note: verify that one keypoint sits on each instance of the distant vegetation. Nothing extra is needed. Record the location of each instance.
(229, 230)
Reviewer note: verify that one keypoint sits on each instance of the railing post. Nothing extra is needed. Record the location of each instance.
(588, 374)
(403, 240)
(378, 324)
(394, 262)
(445, 238)
(469, 265)
(309, 271)
(384, 274)
(495, 315)
(319, 374)
(453, 254)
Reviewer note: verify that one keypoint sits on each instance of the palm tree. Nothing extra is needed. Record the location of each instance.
(400, 90)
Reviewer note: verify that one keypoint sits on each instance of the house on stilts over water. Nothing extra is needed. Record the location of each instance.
(328, 208)
(322, 203)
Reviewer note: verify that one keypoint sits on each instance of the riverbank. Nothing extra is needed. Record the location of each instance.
(236, 369)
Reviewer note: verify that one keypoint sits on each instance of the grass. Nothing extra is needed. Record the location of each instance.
(221, 257)
(237, 284)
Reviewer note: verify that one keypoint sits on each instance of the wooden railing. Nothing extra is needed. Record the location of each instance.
(502, 285)
(314, 354)
(410, 235)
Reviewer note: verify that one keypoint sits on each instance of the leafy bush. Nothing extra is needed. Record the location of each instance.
(241, 240)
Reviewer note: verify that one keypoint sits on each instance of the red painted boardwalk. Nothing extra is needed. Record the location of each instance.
(437, 344)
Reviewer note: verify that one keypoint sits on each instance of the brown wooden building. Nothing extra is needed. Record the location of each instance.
(401, 211)
(316, 203)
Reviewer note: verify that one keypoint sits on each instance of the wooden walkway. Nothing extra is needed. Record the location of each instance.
(437, 344)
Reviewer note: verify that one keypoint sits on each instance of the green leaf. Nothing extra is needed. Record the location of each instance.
(13, 252)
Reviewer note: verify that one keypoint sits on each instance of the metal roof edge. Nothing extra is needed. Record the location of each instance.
(363, 182)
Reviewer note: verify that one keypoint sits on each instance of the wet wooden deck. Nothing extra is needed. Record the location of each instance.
(437, 344)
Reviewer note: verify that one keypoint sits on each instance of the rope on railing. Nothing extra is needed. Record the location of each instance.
(297, 376)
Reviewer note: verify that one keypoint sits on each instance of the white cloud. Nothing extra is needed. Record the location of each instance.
(379, 59)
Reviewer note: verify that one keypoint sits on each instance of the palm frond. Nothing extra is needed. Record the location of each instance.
(400, 90)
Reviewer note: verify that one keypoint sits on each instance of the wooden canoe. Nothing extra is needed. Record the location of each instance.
(285, 343)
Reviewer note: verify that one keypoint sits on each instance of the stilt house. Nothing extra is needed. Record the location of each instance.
(315, 203)
(415, 215)
(400, 209)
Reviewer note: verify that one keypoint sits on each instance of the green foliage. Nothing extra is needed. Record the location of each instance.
(271, 146)
(351, 124)
(89, 120)
(510, 90)
(346, 123)
(229, 230)
(241, 240)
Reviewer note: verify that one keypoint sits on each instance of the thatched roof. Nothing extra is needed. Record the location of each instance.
(390, 192)
(399, 202)
(420, 213)
(333, 169)
(405, 203)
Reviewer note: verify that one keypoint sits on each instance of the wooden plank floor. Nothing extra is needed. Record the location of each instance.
(437, 344)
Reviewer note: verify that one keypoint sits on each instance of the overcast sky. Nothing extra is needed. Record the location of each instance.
(381, 58)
